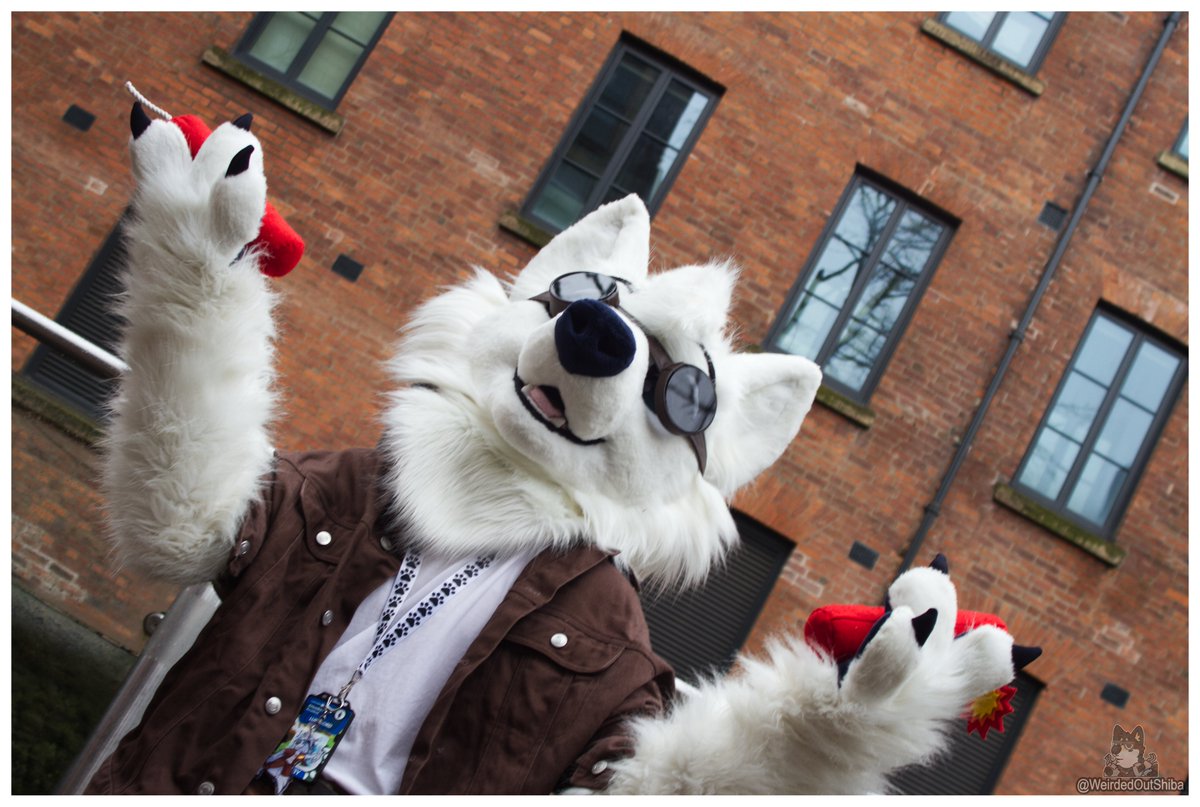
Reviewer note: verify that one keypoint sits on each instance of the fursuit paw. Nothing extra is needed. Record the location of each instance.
(924, 663)
(200, 212)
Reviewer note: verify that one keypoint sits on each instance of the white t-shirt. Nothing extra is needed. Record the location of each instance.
(391, 700)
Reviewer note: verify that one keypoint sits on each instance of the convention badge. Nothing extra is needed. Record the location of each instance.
(310, 742)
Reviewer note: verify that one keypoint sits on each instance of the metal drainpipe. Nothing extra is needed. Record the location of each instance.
(933, 509)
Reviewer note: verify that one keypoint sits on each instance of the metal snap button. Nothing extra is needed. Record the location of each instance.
(559, 640)
(273, 705)
(243, 548)
(323, 538)
(600, 767)
(326, 617)
(206, 789)
(386, 543)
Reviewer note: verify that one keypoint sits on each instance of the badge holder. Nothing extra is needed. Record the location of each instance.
(309, 743)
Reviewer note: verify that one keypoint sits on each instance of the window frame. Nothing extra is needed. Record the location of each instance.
(1141, 332)
(671, 68)
(906, 200)
(989, 36)
(241, 52)
(1183, 133)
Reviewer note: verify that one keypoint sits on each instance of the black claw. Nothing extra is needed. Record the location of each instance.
(1023, 656)
(923, 625)
(941, 564)
(139, 121)
(244, 121)
(240, 162)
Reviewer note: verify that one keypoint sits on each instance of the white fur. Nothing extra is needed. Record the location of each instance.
(474, 470)
(188, 444)
(784, 725)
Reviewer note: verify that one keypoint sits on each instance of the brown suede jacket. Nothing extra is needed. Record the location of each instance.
(518, 714)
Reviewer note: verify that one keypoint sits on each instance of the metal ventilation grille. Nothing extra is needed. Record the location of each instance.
(972, 766)
(700, 631)
(89, 313)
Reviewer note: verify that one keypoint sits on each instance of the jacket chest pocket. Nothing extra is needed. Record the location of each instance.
(556, 664)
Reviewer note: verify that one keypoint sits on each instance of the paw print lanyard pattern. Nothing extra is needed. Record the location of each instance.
(390, 630)
(315, 734)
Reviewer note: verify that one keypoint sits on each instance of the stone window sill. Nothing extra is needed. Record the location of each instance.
(33, 399)
(1174, 163)
(513, 222)
(222, 62)
(976, 52)
(856, 413)
(1108, 551)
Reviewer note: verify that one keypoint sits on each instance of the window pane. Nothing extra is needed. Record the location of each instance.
(893, 279)
(1182, 148)
(646, 167)
(1019, 36)
(857, 232)
(858, 346)
(282, 39)
(561, 203)
(809, 328)
(1103, 350)
(597, 141)
(359, 25)
(883, 299)
(331, 64)
(1097, 489)
(676, 114)
(626, 91)
(1123, 432)
(1049, 463)
(1151, 374)
(1076, 407)
(614, 193)
(972, 23)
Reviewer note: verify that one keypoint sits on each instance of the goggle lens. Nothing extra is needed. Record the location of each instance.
(690, 399)
(576, 286)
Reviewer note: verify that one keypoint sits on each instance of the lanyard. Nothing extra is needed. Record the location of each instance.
(390, 630)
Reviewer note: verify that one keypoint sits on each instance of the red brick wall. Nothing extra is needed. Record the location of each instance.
(454, 115)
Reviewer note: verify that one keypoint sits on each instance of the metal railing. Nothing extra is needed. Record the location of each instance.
(184, 620)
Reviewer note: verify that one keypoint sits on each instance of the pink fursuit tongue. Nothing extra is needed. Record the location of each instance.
(537, 396)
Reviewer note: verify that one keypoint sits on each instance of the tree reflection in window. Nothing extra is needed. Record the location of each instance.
(865, 278)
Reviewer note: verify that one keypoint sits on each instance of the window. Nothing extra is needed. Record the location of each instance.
(1020, 37)
(314, 54)
(861, 284)
(700, 630)
(89, 312)
(632, 134)
(1106, 415)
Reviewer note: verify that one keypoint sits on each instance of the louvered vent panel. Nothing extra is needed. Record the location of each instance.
(89, 313)
(971, 766)
(700, 631)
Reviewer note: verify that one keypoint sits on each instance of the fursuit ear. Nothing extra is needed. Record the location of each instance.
(762, 399)
(613, 240)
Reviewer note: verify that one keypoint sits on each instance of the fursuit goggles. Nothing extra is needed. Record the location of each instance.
(683, 396)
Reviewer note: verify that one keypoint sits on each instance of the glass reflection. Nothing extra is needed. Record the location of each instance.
(857, 232)
(1097, 489)
(1049, 463)
(883, 299)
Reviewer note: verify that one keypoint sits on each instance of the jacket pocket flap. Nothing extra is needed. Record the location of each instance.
(564, 643)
